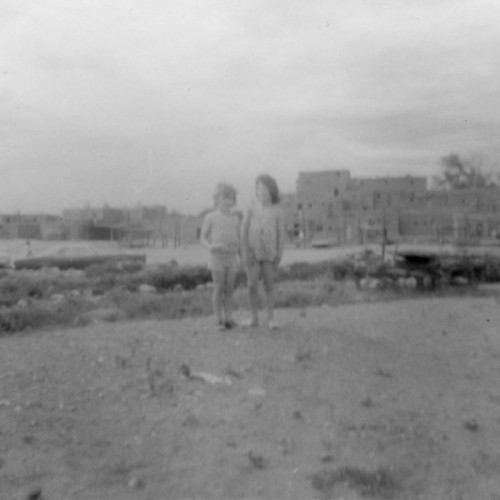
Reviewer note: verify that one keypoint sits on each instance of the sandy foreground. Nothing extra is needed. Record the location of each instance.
(379, 400)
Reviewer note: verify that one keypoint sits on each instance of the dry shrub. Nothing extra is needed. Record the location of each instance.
(379, 483)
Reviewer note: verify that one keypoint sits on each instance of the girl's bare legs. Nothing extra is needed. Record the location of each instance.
(268, 277)
(230, 278)
(218, 295)
(253, 274)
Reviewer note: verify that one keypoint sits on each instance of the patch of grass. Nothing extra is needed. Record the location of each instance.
(379, 483)
(178, 294)
(169, 305)
(35, 317)
(168, 277)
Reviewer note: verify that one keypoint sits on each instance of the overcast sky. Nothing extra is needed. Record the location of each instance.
(155, 101)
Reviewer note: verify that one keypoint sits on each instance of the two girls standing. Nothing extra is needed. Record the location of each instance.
(258, 241)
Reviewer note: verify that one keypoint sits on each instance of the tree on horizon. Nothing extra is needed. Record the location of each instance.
(464, 173)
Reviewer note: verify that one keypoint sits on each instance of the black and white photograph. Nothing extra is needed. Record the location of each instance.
(249, 249)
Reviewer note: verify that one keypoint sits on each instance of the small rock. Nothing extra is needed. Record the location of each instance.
(401, 282)
(471, 425)
(383, 372)
(326, 459)
(98, 316)
(257, 461)
(367, 402)
(233, 372)
(461, 280)
(184, 370)
(136, 483)
(286, 445)
(427, 282)
(57, 298)
(147, 289)
(231, 443)
(411, 282)
(22, 303)
(35, 494)
(28, 439)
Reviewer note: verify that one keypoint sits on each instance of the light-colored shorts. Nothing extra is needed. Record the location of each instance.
(220, 261)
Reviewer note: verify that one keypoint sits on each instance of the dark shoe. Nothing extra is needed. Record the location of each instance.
(231, 324)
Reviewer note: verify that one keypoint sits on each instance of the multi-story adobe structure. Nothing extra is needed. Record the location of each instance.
(96, 223)
(138, 225)
(374, 205)
(462, 215)
(320, 204)
(288, 203)
(32, 226)
(331, 205)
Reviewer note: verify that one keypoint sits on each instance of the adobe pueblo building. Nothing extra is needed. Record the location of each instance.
(331, 206)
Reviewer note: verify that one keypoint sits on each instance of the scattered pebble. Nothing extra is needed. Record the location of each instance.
(35, 494)
(257, 461)
(471, 425)
(136, 483)
(257, 391)
(384, 373)
(367, 402)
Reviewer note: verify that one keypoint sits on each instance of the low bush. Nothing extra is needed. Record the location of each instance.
(168, 277)
(169, 305)
(35, 299)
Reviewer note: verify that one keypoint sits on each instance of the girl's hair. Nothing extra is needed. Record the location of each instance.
(224, 190)
(271, 185)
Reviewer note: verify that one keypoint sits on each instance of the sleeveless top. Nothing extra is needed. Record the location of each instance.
(224, 229)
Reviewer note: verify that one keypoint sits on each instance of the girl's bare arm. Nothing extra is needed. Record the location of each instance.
(244, 233)
(205, 233)
(281, 232)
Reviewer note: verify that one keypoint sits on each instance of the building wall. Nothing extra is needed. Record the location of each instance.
(31, 226)
(183, 230)
(460, 215)
(320, 199)
(334, 206)
(485, 200)
(290, 209)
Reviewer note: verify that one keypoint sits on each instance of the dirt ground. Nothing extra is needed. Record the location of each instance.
(380, 400)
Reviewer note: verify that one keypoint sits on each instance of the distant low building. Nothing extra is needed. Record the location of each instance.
(32, 226)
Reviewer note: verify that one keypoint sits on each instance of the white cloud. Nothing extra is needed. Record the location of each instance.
(94, 93)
